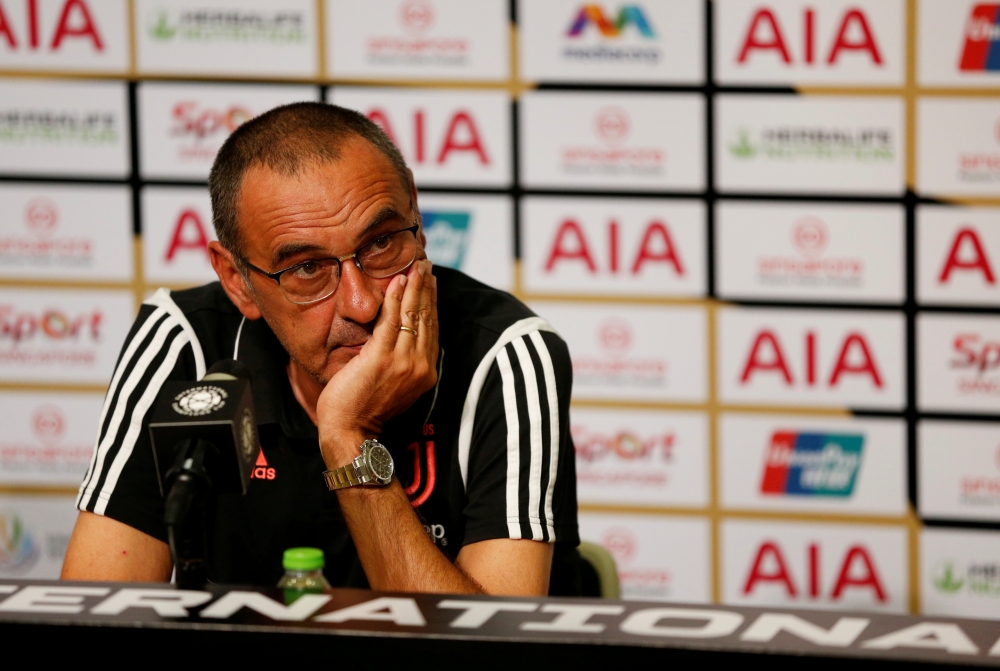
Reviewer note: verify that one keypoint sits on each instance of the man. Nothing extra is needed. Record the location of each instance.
(325, 293)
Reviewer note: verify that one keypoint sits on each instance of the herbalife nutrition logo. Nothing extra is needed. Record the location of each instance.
(978, 578)
(227, 26)
(51, 126)
(791, 143)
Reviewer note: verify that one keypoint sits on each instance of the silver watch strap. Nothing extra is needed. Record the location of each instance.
(345, 476)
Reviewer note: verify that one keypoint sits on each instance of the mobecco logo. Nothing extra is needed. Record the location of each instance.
(593, 14)
(812, 464)
(982, 39)
(448, 235)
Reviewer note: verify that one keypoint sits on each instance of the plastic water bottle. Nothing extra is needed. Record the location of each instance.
(303, 571)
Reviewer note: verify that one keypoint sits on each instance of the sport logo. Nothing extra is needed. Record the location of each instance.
(594, 15)
(982, 40)
(448, 236)
(199, 401)
(812, 464)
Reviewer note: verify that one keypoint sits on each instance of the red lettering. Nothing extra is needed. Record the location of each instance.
(87, 27)
(979, 262)
(418, 136)
(178, 241)
(813, 570)
(33, 23)
(613, 246)
(866, 43)
(379, 117)
(866, 366)
(472, 143)
(810, 358)
(809, 19)
(668, 254)
(780, 574)
(579, 252)
(776, 41)
(6, 30)
(755, 362)
(868, 579)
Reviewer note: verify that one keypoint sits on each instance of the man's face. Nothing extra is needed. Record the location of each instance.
(327, 210)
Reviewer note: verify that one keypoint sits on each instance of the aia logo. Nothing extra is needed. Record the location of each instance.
(417, 16)
(967, 253)
(810, 236)
(615, 336)
(593, 15)
(612, 124)
(853, 35)
(855, 571)
(48, 423)
(74, 22)
(461, 136)
(190, 233)
(621, 543)
(982, 40)
(41, 216)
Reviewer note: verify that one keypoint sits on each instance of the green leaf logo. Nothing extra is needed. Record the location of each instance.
(946, 579)
(160, 28)
(742, 147)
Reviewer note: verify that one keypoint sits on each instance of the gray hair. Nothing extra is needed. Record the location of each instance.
(286, 139)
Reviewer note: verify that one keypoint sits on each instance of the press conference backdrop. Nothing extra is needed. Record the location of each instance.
(768, 229)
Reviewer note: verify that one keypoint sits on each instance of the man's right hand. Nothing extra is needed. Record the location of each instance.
(391, 372)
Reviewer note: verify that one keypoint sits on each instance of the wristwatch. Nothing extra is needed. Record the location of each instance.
(372, 467)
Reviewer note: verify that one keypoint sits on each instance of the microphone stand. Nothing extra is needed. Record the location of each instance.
(185, 511)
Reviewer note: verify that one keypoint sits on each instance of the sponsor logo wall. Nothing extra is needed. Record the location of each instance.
(776, 269)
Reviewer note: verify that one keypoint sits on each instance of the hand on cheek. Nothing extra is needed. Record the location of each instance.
(392, 370)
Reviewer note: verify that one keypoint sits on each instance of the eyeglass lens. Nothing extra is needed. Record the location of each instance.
(315, 280)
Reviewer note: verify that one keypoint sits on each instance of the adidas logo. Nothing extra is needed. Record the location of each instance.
(261, 471)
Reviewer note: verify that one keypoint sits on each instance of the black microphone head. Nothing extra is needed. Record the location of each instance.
(231, 369)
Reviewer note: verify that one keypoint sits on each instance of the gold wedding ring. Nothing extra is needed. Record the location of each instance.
(408, 329)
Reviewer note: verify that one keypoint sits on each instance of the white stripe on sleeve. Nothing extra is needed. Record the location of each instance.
(135, 425)
(513, 444)
(122, 405)
(535, 433)
(553, 398)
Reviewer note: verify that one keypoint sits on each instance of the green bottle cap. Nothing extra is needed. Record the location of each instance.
(303, 559)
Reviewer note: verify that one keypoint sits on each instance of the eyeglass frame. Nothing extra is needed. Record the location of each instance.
(276, 276)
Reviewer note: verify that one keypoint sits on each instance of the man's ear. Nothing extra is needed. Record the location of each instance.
(232, 280)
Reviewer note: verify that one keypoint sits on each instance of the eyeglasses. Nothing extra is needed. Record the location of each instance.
(314, 280)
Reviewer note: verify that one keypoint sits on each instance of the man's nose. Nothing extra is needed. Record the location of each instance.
(357, 298)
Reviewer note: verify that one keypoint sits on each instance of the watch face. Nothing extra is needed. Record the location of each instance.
(380, 462)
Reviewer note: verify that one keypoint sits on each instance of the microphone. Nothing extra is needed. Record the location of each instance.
(204, 438)
(217, 409)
